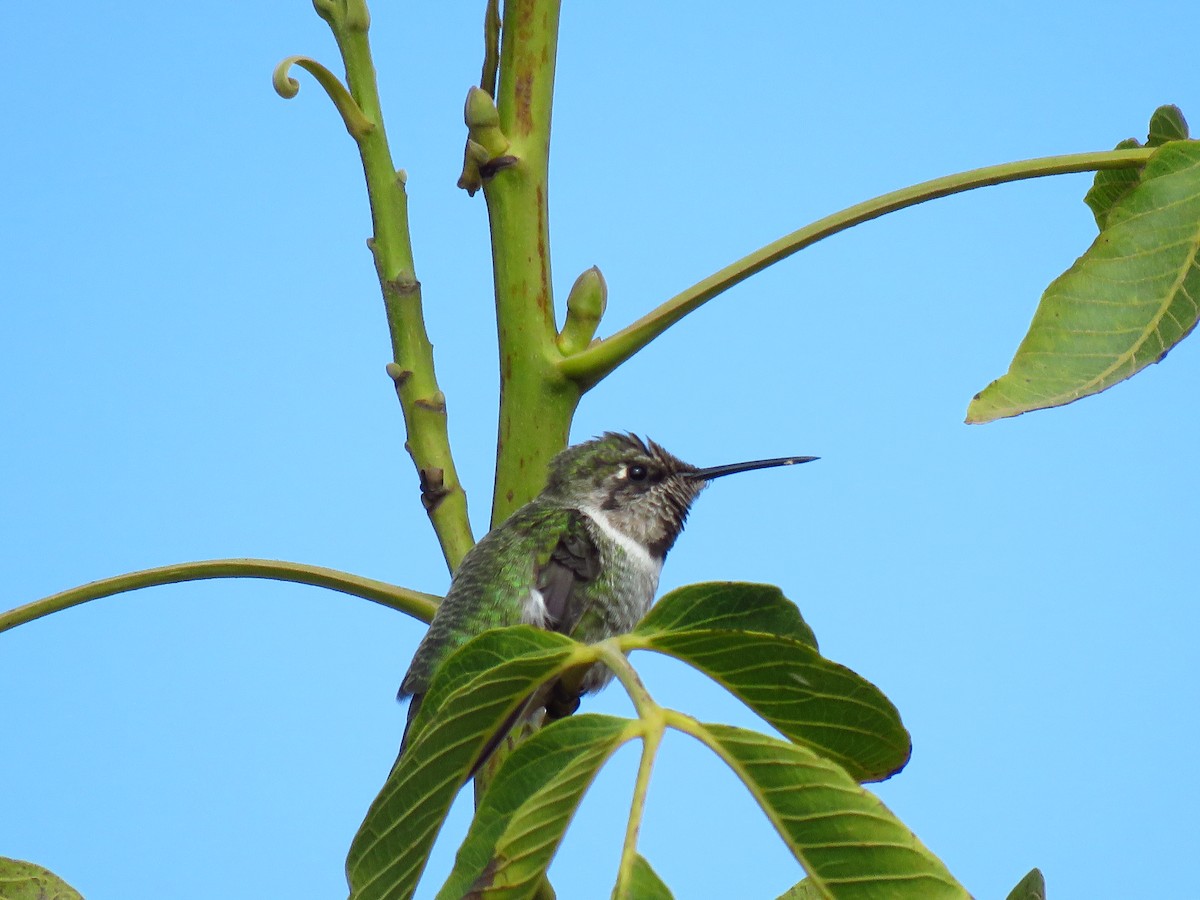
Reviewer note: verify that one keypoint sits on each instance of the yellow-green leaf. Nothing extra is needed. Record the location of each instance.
(1031, 887)
(644, 884)
(21, 880)
(811, 700)
(804, 890)
(389, 852)
(1167, 124)
(848, 842)
(478, 656)
(1110, 185)
(750, 639)
(1122, 305)
(727, 606)
(528, 806)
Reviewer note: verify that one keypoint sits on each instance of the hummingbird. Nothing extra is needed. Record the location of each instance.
(582, 558)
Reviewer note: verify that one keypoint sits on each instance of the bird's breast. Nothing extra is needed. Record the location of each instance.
(627, 582)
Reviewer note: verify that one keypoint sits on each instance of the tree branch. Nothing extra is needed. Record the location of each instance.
(536, 401)
(412, 369)
(417, 604)
(588, 367)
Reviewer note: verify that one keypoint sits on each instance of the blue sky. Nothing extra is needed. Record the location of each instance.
(192, 349)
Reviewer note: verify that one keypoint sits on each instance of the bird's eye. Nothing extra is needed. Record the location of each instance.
(637, 472)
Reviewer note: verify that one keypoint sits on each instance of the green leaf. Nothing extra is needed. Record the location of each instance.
(522, 817)
(805, 890)
(1031, 887)
(1122, 305)
(644, 884)
(25, 881)
(474, 657)
(1110, 185)
(1167, 124)
(389, 852)
(728, 606)
(848, 842)
(811, 700)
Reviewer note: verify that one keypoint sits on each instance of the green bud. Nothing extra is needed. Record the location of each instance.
(471, 180)
(349, 14)
(585, 306)
(480, 109)
(485, 140)
(483, 123)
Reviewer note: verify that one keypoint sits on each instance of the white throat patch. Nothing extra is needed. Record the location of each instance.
(638, 554)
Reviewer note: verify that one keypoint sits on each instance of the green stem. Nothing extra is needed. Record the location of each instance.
(415, 603)
(612, 655)
(653, 723)
(412, 369)
(536, 401)
(589, 366)
(491, 47)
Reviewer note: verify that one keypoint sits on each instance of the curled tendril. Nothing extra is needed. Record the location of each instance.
(287, 87)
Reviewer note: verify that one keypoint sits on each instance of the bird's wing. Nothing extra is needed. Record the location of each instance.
(565, 560)
(569, 561)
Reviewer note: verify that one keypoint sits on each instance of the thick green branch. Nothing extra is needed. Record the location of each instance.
(412, 370)
(589, 366)
(415, 603)
(536, 400)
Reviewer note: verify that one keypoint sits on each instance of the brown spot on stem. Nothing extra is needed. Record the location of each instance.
(435, 404)
(397, 374)
(523, 101)
(499, 164)
(543, 298)
(433, 487)
(402, 286)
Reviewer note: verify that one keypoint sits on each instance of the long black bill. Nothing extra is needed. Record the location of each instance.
(717, 471)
